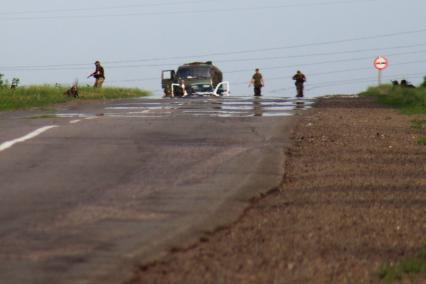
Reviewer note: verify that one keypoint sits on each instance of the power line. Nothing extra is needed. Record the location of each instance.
(115, 7)
(136, 80)
(85, 65)
(248, 51)
(321, 63)
(321, 54)
(346, 82)
(58, 68)
(294, 56)
(318, 74)
(237, 9)
(286, 47)
(282, 77)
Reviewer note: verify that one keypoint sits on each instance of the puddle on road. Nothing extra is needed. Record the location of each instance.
(200, 107)
(73, 115)
(210, 107)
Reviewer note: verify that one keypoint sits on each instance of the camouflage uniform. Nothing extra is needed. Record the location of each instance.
(300, 79)
(257, 81)
(99, 75)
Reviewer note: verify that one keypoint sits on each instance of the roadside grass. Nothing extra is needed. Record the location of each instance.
(44, 95)
(409, 101)
(395, 272)
(418, 124)
(422, 141)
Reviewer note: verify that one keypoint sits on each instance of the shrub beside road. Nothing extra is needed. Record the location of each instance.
(409, 100)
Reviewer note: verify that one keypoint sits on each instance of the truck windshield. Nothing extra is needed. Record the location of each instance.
(193, 72)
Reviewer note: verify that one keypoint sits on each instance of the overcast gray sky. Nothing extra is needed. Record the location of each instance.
(334, 42)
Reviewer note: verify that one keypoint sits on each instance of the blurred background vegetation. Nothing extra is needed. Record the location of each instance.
(12, 96)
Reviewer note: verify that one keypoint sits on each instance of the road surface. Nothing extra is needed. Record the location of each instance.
(89, 190)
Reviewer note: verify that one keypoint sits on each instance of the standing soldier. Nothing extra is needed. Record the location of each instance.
(257, 82)
(99, 75)
(300, 79)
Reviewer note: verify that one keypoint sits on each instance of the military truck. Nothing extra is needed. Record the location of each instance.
(194, 79)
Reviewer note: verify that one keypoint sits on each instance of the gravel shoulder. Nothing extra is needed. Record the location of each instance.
(352, 199)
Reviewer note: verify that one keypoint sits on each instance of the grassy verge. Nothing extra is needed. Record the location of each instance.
(418, 124)
(410, 101)
(396, 271)
(40, 96)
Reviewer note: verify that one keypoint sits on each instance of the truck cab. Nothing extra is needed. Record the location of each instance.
(194, 79)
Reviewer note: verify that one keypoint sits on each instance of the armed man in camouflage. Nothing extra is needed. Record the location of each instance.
(99, 75)
(257, 82)
(300, 79)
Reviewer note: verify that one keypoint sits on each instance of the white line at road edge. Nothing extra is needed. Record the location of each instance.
(8, 144)
(75, 121)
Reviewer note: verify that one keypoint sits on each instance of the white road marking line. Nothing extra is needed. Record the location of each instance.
(8, 144)
(75, 121)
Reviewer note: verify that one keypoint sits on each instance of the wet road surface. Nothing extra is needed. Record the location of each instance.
(238, 107)
(108, 185)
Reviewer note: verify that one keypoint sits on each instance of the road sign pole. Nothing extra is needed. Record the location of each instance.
(381, 63)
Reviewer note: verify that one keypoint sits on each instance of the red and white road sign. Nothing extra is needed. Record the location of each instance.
(381, 63)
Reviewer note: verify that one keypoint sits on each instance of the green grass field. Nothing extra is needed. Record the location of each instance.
(40, 96)
(395, 272)
(422, 141)
(410, 101)
(418, 124)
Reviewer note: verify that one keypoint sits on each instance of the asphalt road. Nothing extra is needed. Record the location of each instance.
(89, 190)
